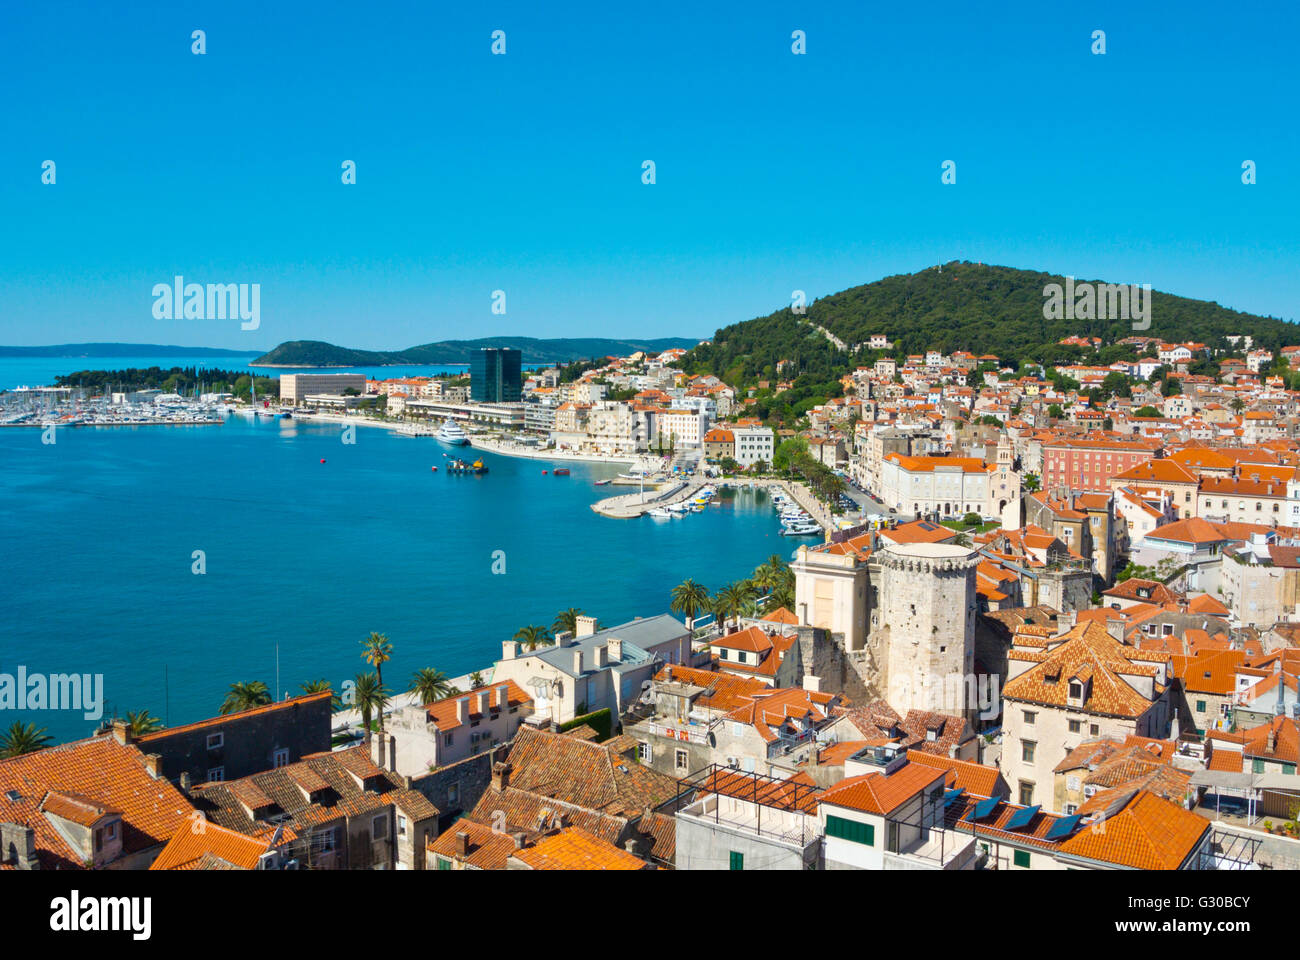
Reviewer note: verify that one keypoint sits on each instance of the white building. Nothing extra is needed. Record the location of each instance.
(753, 444)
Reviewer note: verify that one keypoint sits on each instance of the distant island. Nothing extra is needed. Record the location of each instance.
(317, 353)
(119, 350)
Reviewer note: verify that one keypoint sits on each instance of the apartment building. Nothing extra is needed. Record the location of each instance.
(421, 738)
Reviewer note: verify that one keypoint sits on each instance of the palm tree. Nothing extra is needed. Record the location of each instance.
(689, 598)
(730, 600)
(142, 723)
(533, 636)
(22, 738)
(476, 678)
(377, 650)
(567, 620)
(245, 696)
(430, 684)
(370, 698)
(322, 686)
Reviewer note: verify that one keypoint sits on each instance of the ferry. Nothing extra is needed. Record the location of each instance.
(450, 432)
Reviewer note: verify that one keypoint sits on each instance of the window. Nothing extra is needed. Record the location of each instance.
(1072, 783)
(741, 656)
(401, 825)
(216, 774)
(1076, 690)
(1070, 808)
(216, 741)
(281, 757)
(1094, 730)
(679, 759)
(1021, 858)
(737, 860)
(1200, 706)
(444, 864)
(1076, 726)
(737, 729)
(379, 827)
(1027, 750)
(1026, 793)
(447, 740)
(1030, 715)
(643, 751)
(852, 830)
(110, 829)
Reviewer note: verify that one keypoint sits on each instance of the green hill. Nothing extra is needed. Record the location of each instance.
(965, 306)
(317, 353)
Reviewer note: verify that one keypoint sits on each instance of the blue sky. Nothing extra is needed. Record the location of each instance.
(522, 172)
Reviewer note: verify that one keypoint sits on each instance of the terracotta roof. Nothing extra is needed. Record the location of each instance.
(974, 778)
(575, 849)
(486, 849)
(1141, 830)
(723, 691)
(442, 713)
(880, 793)
(194, 842)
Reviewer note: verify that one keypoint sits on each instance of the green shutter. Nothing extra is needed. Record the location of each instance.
(852, 830)
(737, 860)
(1257, 766)
(444, 864)
(1021, 858)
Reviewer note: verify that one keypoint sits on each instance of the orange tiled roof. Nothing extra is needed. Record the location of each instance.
(1145, 832)
(196, 841)
(575, 849)
(882, 794)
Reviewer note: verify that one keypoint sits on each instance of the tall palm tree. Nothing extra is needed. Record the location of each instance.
(322, 686)
(533, 636)
(690, 599)
(245, 696)
(142, 723)
(429, 684)
(370, 698)
(738, 595)
(476, 679)
(22, 738)
(377, 650)
(567, 620)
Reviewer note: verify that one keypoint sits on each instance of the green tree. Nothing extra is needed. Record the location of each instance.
(476, 679)
(430, 685)
(370, 697)
(689, 598)
(566, 620)
(533, 636)
(141, 723)
(22, 738)
(377, 650)
(321, 686)
(245, 696)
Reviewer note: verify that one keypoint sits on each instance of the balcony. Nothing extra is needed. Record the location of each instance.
(688, 733)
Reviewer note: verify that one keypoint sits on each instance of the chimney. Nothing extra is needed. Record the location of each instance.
(811, 683)
(519, 839)
(563, 638)
(484, 700)
(586, 626)
(186, 781)
(153, 765)
(503, 696)
(121, 731)
(462, 844)
(500, 776)
(509, 649)
(1116, 629)
(601, 655)
(462, 710)
(18, 846)
(614, 648)
(577, 662)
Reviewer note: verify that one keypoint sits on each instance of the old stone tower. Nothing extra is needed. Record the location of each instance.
(922, 630)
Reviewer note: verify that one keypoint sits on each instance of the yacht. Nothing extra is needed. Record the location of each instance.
(450, 432)
(661, 513)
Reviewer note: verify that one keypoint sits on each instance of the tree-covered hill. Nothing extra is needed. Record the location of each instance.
(963, 306)
(317, 353)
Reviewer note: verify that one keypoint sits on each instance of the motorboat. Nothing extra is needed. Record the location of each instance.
(450, 432)
(662, 513)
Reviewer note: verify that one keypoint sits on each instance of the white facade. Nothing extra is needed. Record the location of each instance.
(753, 444)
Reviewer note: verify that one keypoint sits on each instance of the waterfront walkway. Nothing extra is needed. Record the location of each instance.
(629, 505)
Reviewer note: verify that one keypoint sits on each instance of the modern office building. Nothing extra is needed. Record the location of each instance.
(494, 375)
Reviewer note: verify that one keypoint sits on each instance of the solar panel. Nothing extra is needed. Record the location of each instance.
(1063, 827)
(950, 797)
(1022, 818)
(984, 808)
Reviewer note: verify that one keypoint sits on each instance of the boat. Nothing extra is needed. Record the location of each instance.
(603, 483)
(561, 471)
(460, 466)
(450, 432)
(661, 513)
(808, 530)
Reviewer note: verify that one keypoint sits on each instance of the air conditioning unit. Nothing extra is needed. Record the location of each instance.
(269, 860)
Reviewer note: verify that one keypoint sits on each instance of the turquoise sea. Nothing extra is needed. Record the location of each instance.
(98, 533)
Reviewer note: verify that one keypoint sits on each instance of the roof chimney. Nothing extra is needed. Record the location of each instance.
(122, 731)
(462, 710)
(577, 662)
(602, 657)
(153, 765)
(500, 776)
(509, 649)
(563, 638)
(462, 844)
(484, 701)
(503, 696)
(586, 626)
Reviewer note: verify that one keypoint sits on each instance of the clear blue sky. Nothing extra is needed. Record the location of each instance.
(523, 172)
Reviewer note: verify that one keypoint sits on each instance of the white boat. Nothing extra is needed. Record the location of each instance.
(450, 432)
(661, 513)
(808, 530)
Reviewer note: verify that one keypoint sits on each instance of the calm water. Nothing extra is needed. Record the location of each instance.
(41, 371)
(97, 534)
